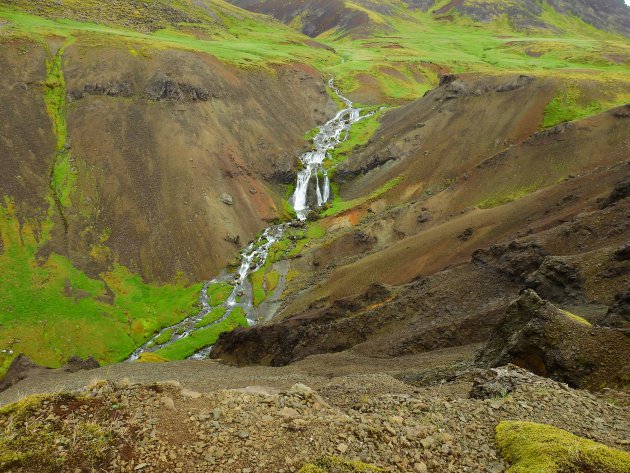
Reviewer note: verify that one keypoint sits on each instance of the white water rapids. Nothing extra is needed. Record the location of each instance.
(255, 255)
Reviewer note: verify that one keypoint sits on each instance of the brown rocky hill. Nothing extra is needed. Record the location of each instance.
(480, 212)
(178, 156)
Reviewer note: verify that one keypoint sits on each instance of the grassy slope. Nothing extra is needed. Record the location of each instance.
(42, 300)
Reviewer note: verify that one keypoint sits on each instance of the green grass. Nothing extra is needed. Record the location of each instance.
(218, 293)
(499, 199)
(214, 315)
(530, 447)
(199, 339)
(360, 134)
(50, 310)
(338, 205)
(257, 279)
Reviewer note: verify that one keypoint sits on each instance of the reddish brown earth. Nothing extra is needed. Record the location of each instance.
(153, 168)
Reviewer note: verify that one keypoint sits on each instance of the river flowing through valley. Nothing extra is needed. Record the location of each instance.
(312, 189)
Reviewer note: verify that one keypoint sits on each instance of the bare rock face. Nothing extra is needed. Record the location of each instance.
(557, 281)
(516, 260)
(20, 368)
(76, 363)
(541, 338)
(618, 314)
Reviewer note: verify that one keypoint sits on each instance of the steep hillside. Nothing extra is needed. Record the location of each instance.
(315, 17)
(147, 143)
(136, 166)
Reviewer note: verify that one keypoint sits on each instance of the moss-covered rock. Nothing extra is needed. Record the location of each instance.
(531, 447)
(338, 465)
(35, 434)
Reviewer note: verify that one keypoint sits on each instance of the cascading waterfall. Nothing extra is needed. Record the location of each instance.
(330, 135)
(255, 255)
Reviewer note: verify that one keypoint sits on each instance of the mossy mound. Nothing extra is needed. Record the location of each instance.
(149, 357)
(338, 465)
(531, 447)
(35, 433)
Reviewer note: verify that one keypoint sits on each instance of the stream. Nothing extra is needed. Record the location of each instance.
(312, 189)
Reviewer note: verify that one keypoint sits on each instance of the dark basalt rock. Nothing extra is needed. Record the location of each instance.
(622, 112)
(557, 281)
(518, 83)
(539, 337)
(447, 79)
(19, 369)
(111, 89)
(618, 314)
(621, 191)
(76, 363)
(162, 87)
(515, 260)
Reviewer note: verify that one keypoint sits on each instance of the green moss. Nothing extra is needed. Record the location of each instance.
(338, 205)
(338, 465)
(148, 357)
(273, 278)
(531, 447)
(28, 439)
(505, 198)
(576, 318)
(257, 279)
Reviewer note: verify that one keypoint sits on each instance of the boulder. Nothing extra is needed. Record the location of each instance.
(618, 314)
(76, 363)
(547, 341)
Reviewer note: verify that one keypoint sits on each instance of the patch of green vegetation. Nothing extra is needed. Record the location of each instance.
(273, 277)
(576, 318)
(28, 439)
(339, 205)
(50, 310)
(212, 317)
(531, 447)
(502, 199)
(164, 337)
(148, 357)
(359, 135)
(309, 135)
(338, 465)
(205, 337)
(218, 293)
(257, 279)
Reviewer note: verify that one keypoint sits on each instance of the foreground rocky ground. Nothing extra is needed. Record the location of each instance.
(376, 419)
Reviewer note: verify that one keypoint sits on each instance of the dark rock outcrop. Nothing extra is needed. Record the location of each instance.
(539, 337)
(163, 87)
(558, 281)
(76, 363)
(19, 369)
(111, 89)
(516, 260)
(621, 191)
(618, 314)
(518, 83)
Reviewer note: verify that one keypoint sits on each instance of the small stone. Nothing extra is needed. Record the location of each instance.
(140, 466)
(227, 199)
(427, 442)
(191, 394)
(420, 467)
(289, 412)
(342, 448)
(243, 434)
(168, 402)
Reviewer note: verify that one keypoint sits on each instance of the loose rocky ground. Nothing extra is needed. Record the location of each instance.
(435, 428)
